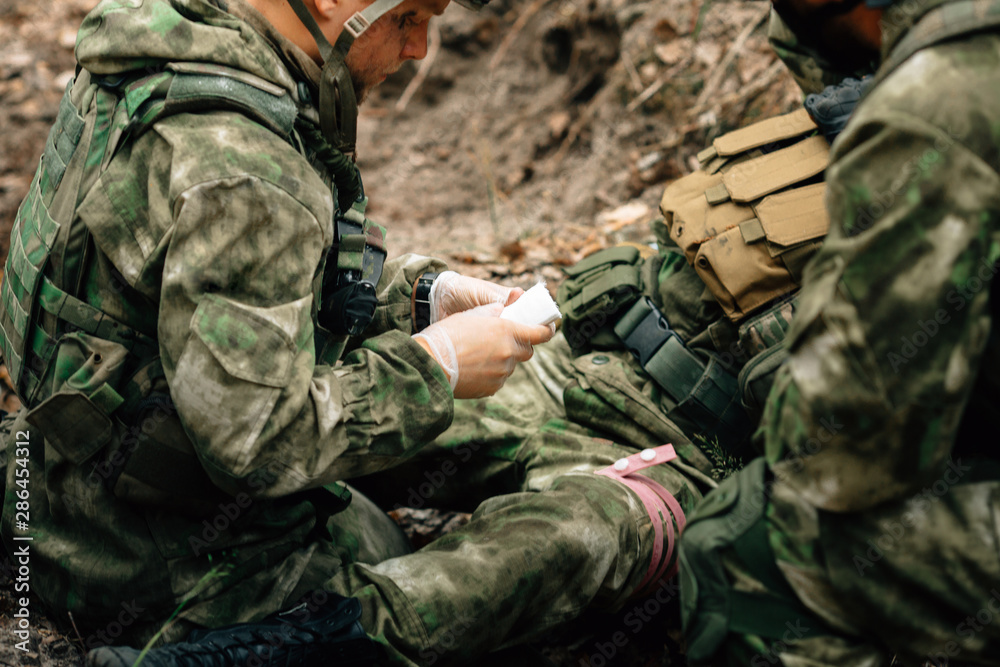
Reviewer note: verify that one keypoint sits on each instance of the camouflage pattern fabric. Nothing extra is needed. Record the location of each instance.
(212, 231)
(879, 426)
(545, 543)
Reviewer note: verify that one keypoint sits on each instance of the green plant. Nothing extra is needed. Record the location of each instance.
(217, 572)
(724, 464)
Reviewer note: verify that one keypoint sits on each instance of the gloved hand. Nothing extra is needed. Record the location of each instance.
(832, 108)
(478, 351)
(454, 293)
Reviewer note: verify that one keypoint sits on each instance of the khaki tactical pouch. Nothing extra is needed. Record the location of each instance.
(749, 220)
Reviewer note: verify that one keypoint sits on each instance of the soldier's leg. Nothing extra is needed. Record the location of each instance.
(361, 533)
(772, 581)
(487, 450)
(549, 538)
(524, 563)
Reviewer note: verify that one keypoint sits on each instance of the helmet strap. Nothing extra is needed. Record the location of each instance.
(338, 106)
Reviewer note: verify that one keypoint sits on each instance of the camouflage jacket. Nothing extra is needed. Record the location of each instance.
(894, 356)
(212, 232)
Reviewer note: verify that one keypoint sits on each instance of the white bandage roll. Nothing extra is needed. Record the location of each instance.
(533, 307)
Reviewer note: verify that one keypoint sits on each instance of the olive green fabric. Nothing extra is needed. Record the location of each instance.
(877, 429)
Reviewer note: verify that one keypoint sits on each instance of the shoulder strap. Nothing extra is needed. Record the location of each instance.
(186, 87)
(941, 24)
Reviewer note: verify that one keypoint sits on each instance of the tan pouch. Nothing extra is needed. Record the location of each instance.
(745, 221)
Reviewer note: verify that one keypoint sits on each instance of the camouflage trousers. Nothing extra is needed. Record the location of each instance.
(547, 538)
(913, 582)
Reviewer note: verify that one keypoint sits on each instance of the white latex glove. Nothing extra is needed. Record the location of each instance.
(454, 293)
(478, 351)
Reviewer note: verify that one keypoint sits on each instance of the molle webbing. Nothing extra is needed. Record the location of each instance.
(26, 344)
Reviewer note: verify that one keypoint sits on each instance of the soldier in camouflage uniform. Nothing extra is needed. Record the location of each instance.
(870, 528)
(196, 383)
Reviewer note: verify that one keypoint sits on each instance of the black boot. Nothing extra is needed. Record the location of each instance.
(328, 634)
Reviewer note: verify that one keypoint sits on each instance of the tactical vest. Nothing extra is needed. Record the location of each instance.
(747, 222)
(91, 382)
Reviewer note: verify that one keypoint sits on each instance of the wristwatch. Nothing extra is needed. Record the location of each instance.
(422, 301)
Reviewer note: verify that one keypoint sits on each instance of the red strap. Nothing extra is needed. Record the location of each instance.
(661, 505)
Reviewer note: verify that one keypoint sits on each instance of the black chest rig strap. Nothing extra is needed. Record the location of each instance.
(353, 269)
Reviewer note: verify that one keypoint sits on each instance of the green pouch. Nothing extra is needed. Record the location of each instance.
(730, 523)
(756, 378)
(76, 417)
(596, 291)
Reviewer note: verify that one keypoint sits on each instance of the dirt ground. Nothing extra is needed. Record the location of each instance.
(532, 135)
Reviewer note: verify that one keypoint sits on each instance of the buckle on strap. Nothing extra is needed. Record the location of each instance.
(356, 25)
(644, 329)
(660, 504)
(646, 333)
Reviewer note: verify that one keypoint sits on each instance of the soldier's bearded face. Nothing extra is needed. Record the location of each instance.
(398, 36)
(846, 32)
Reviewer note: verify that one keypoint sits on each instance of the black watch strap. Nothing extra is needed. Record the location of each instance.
(422, 301)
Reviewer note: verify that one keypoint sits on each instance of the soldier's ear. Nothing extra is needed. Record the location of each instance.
(329, 9)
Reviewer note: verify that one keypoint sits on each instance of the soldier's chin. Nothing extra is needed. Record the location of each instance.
(365, 85)
(361, 91)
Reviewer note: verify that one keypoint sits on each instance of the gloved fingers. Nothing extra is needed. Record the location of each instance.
(533, 334)
(487, 310)
(454, 293)
(514, 294)
(478, 350)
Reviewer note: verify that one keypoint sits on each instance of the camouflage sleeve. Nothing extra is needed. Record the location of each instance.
(395, 291)
(246, 234)
(810, 70)
(895, 311)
